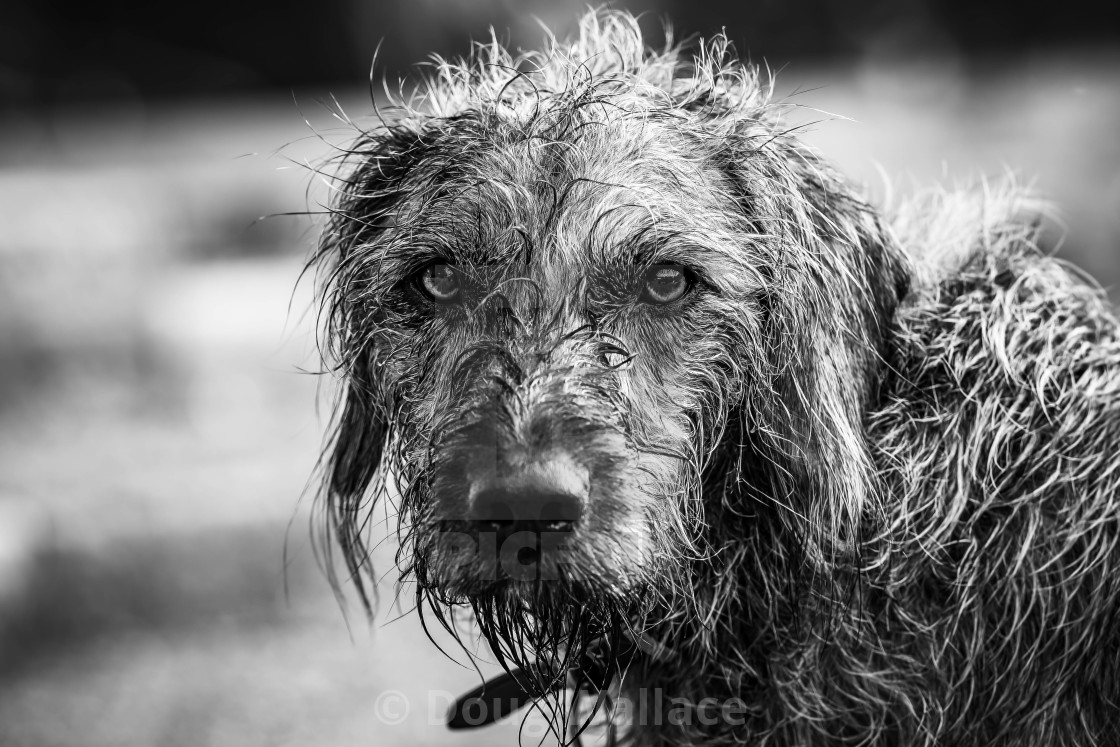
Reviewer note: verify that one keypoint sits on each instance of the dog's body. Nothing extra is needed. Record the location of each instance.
(861, 478)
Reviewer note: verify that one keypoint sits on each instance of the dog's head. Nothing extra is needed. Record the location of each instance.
(592, 308)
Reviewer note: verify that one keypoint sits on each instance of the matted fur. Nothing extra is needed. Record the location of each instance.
(864, 477)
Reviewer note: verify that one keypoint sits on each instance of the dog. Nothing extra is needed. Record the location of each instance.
(685, 423)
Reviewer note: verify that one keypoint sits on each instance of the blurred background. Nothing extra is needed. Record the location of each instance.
(158, 423)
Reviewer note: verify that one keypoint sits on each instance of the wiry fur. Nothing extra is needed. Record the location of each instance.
(864, 478)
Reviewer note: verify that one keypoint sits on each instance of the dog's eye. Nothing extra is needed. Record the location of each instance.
(665, 284)
(440, 283)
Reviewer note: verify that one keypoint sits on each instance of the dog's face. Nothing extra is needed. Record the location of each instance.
(590, 321)
(559, 320)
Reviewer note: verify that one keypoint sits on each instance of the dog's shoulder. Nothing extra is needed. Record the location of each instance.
(982, 275)
(1013, 352)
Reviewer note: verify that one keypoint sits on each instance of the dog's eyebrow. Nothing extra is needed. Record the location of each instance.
(473, 240)
(658, 242)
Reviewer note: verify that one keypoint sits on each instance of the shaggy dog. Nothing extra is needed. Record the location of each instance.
(682, 420)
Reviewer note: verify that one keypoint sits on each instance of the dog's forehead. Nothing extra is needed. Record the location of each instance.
(603, 191)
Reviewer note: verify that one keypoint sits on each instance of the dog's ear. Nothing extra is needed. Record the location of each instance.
(835, 278)
(366, 200)
(373, 175)
(352, 460)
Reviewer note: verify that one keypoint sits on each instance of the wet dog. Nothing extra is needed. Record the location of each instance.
(678, 416)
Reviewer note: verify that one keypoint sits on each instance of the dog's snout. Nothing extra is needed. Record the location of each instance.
(544, 497)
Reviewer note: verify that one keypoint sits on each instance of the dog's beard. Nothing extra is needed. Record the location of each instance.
(547, 623)
(548, 630)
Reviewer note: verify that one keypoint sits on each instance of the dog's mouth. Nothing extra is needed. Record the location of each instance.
(477, 557)
(524, 549)
(551, 561)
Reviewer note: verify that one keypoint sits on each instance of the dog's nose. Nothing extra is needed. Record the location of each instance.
(544, 497)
